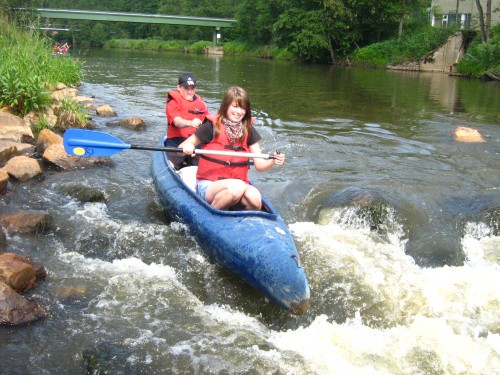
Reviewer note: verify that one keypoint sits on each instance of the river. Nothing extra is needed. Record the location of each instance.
(397, 225)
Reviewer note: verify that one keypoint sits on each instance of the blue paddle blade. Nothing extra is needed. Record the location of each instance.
(90, 143)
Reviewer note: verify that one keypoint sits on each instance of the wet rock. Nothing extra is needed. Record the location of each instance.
(134, 123)
(20, 272)
(46, 138)
(83, 99)
(3, 241)
(10, 149)
(4, 181)
(90, 108)
(56, 155)
(22, 168)
(105, 111)
(356, 207)
(85, 193)
(64, 93)
(26, 222)
(69, 120)
(463, 134)
(16, 309)
(46, 113)
(15, 128)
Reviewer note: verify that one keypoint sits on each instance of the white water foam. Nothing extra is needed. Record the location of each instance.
(433, 320)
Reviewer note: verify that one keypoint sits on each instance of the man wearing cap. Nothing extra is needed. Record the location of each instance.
(185, 112)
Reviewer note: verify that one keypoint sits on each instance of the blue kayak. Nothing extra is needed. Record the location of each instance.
(254, 245)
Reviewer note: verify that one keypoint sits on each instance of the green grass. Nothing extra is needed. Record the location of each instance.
(412, 48)
(27, 64)
(235, 48)
(148, 44)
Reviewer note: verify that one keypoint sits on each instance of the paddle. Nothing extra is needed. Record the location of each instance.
(90, 143)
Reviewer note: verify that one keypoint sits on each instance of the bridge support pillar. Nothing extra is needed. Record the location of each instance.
(216, 36)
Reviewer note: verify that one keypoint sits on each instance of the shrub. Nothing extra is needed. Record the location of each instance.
(411, 48)
(482, 58)
(41, 124)
(26, 64)
(22, 91)
(199, 47)
(71, 114)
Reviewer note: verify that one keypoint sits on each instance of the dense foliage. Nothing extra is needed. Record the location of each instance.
(309, 30)
(482, 58)
(410, 48)
(27, 66)
(324, 31)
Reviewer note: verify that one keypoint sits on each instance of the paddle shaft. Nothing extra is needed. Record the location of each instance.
(82, 142)
(205, 152)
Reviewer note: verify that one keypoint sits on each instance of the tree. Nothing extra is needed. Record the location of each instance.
(256, 19)
(98, 35)
(484, 25)
(316, 31)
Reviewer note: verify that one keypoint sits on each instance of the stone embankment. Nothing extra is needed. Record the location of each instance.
(23, 156)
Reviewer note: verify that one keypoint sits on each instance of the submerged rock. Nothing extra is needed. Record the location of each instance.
(85, 193)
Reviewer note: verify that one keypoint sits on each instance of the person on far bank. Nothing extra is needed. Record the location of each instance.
(185, 112)
(222, 180)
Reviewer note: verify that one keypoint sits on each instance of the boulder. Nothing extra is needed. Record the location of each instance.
(11, 266)
(16, 272)
(25, 222)
(9, 149)
(22, 168)
(63, 93)
(470, 135)
(105, 111)
(47, 138)
(83, 99)
(4, 180)
(47, 113)
(15, 128)
(56, 155)
(69, 120)
(85, 193)
(134, 123)
(15, 309)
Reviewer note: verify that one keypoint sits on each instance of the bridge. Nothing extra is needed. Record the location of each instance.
(93, 15)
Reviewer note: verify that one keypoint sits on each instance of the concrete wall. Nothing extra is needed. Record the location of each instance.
(445, 57)
(443, 60)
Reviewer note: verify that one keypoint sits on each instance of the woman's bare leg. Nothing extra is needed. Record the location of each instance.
(223, 194)
(251, 199)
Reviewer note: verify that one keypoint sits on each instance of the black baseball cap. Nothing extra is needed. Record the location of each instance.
(187, 79)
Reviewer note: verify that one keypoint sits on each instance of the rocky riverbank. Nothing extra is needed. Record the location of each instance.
(25, 155)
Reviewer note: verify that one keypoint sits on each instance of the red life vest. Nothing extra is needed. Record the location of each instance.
(189, 110)
(218, 167)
